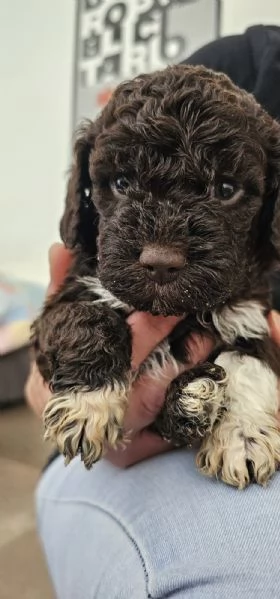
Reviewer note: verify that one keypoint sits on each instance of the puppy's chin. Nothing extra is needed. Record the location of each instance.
(159, 308)
(164, 307)
(165, 300)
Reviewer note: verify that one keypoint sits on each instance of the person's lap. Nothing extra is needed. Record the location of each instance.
(158, 529)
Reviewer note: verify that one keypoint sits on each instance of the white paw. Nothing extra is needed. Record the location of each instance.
(237, 458)
(201, 401)
(83, 421)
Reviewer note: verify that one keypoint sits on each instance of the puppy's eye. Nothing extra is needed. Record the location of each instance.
(225, 190)
(120, 185)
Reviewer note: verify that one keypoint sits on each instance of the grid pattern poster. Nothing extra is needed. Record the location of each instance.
(119, 40)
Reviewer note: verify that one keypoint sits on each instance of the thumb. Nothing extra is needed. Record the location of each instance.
(59, 262)
(274, 325)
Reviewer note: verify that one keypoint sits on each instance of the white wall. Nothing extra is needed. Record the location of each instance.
(237, 15)
(36, 39)
(36, 48)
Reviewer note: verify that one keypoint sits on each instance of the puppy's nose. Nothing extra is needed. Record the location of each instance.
(162, 264)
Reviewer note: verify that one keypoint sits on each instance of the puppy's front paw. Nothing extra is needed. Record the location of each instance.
(194, 402)
(238, 458)
(82, 421)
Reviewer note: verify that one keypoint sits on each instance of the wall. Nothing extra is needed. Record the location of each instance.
(239, 14)
(36, 38)
(35, 73)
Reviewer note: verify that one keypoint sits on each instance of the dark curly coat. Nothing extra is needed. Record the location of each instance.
(173, 208)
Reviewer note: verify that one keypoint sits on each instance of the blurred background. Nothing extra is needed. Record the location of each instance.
(59, 61)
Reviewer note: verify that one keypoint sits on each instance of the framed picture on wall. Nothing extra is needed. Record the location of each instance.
(117, 40)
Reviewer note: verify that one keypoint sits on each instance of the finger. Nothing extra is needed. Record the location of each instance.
(60, 259)
(145, 445)
(198, 348)
(274, 325)
(146, 401)
(36, 392)
(147, 332)
(148, 394)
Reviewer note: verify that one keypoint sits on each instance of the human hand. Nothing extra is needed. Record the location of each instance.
(147, 395)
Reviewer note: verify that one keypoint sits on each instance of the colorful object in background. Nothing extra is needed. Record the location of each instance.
(103, 97)
(19, 304)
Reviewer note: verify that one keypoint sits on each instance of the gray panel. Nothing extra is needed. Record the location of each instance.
(119, 40)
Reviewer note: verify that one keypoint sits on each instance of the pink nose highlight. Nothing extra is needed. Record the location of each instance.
(162, 264)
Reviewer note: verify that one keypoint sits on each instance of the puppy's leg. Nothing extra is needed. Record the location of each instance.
(194, 402)
(245, 444)
(83, 350)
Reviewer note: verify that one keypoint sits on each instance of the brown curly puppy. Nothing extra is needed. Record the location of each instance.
(173, 207)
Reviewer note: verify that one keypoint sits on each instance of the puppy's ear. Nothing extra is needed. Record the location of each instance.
(79, 223)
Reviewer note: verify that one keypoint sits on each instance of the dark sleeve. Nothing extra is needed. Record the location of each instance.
(267, 89)
(230, 55)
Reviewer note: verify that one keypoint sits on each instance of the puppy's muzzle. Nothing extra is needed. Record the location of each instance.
(162, 264)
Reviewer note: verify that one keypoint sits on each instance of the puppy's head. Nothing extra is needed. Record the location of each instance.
(176, 188)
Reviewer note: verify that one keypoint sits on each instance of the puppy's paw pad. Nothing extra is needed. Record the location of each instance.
(81, 421)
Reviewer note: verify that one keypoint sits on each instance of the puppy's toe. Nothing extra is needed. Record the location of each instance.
(82, 421)
(202, 398)
(238, 459)
(227, 462)
(194, 402)
(263, 455)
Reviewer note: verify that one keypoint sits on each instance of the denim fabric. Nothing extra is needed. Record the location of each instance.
(158, 529)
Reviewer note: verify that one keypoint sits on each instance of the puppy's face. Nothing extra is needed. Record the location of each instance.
(178, 175)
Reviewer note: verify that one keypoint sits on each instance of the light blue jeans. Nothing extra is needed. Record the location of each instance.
(158, 529)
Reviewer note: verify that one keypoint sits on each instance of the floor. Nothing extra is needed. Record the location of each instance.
(23, 573)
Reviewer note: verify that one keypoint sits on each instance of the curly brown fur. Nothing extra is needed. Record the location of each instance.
(147, 179)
